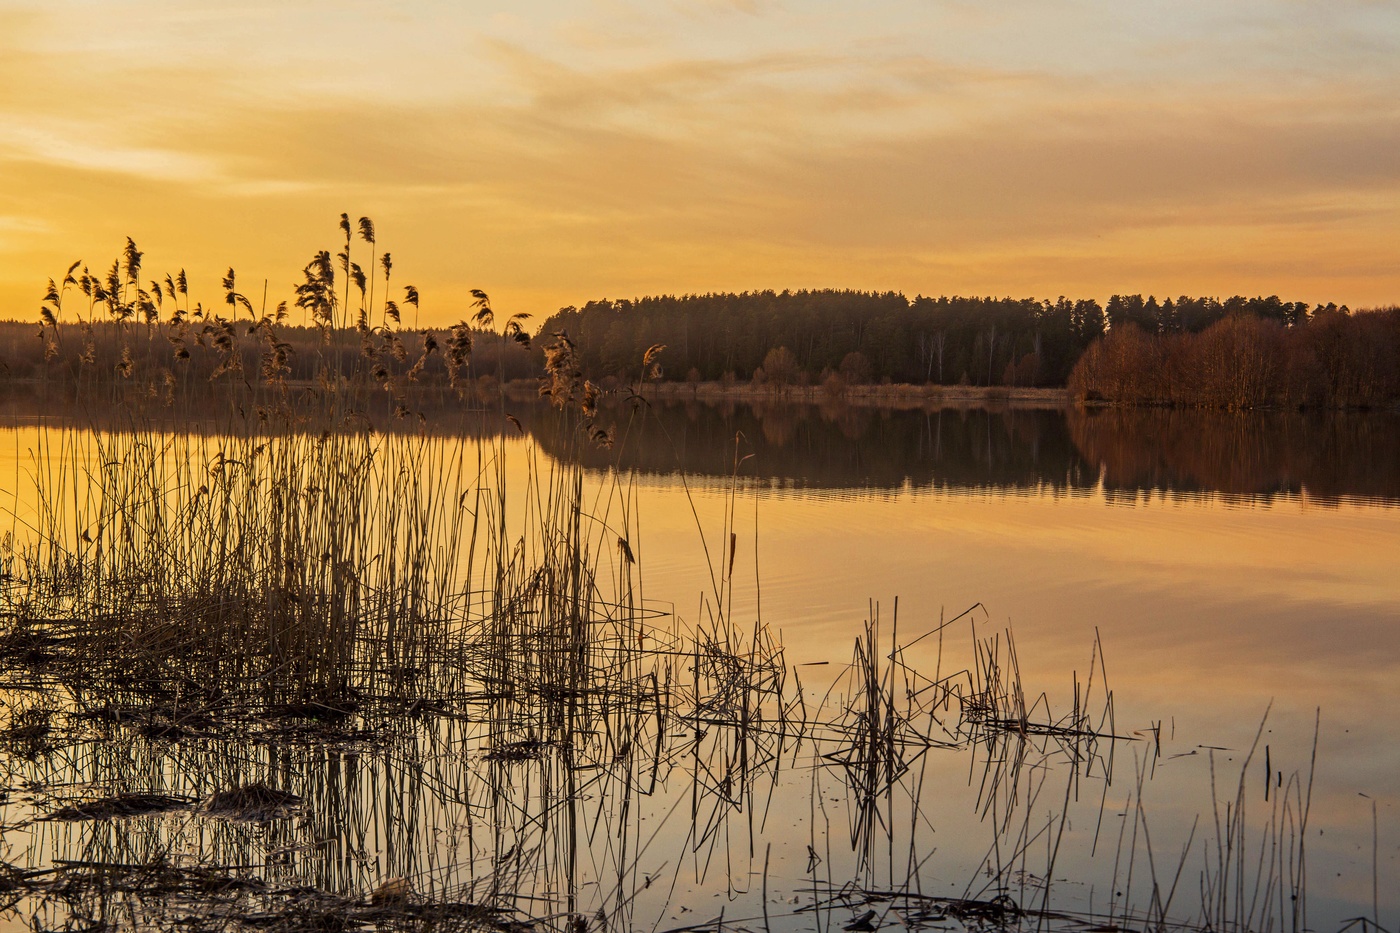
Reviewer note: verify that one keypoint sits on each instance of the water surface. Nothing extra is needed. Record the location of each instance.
(1225, 566)
(1230, 564)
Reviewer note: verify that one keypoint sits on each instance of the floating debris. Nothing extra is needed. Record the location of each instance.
(255, 803)
(121, 805)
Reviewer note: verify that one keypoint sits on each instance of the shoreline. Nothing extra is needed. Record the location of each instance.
(895, 395)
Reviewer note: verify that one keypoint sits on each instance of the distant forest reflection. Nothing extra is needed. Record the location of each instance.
(1327, 455)
(1132, 451)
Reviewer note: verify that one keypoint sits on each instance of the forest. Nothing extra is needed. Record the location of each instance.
(1329, 359)
(805, 336)
(1201, 352)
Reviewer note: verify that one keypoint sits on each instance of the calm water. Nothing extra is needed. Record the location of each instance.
(1230, 564)
(1227, 565)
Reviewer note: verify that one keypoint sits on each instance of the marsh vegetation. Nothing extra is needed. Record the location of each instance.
(1189, 352)
(295, 670)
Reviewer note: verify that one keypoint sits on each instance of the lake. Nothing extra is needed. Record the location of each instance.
(1216, 571)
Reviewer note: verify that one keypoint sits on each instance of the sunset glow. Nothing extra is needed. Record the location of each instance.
(552, 152)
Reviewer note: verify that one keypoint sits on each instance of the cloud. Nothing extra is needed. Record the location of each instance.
(724, 7)
(72, 147)
(660, 166)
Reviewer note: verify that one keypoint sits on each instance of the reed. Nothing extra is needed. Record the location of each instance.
(295, 552)
(294, 671)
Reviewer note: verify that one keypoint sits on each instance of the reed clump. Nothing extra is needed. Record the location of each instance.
(293, 554)
(296, 580)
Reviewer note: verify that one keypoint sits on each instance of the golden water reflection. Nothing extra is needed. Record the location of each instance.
(1211, 602)
(1230, 564)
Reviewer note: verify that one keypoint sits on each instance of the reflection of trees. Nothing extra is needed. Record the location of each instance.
(778, 423)
(840, 446)
(851, 420)
(1243, 453)
(836, 445)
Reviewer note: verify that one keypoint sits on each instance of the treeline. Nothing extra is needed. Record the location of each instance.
(1237, 353)
(1328, 358)
(809, 336)
(805, 336)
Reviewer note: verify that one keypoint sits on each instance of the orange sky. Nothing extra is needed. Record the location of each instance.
(554, 152)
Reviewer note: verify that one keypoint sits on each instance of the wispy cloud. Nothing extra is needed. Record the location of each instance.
(72, 146)
(617, 149)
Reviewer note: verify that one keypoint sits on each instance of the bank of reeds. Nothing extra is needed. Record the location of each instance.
(295, 551)
(296, 576)
(297, 673)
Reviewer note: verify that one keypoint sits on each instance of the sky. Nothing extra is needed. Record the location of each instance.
(551, 153)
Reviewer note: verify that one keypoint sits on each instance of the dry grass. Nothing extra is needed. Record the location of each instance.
(413, 698)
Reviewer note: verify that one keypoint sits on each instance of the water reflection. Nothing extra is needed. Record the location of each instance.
(1326, 456)
(1184, 597)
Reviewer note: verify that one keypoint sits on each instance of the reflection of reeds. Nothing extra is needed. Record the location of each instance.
(296, 614)
(298, 674)
(1255, 885)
